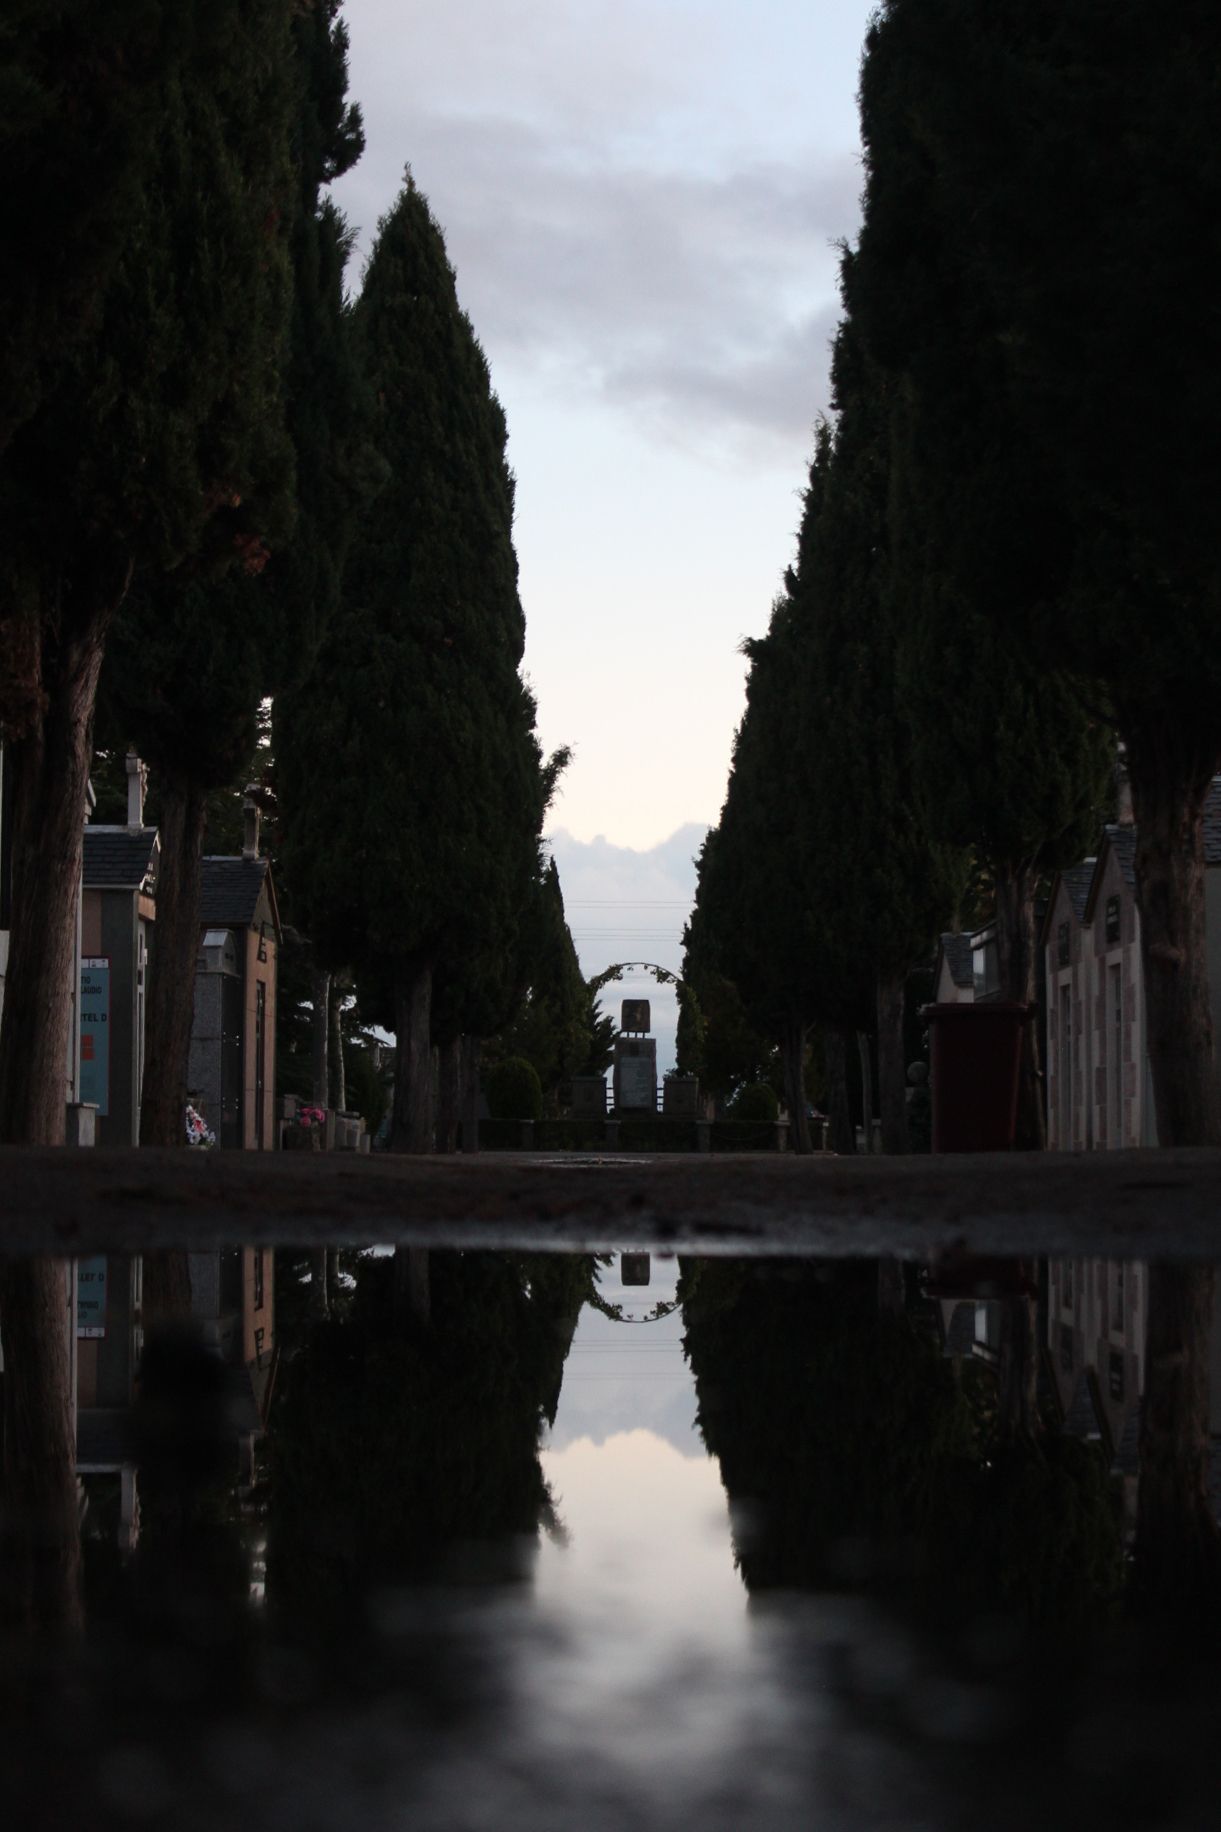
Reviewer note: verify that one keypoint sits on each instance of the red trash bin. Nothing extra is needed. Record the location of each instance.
(975, 1054)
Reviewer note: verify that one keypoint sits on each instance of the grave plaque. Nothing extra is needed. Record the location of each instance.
(637, 1078)
(635, 1016)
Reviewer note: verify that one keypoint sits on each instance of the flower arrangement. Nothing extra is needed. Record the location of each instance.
(199, 1133)
(313, 1119)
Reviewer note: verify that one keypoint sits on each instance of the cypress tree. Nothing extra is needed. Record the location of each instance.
(1011, 762)
(196, 651)
(764, 919)
(552, 1027)
(1069, 176)
(880, 883)
(411, 778)
(752, 922)
(151, 428)
(489, 966)
(821, 887)
(80, 91)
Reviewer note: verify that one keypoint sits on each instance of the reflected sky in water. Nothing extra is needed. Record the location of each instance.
(847, 1597)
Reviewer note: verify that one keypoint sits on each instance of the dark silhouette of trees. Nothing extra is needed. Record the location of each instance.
(406, 1451)
(855, 1460)
(194, 654)
(410, 775)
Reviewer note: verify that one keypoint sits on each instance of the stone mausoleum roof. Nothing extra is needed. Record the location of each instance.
(120, 858)
(1076, 881)
(229, 892)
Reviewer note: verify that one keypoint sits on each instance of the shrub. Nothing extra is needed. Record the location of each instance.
(513, 1089)
(756, 1101)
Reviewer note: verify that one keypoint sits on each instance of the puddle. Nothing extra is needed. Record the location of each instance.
(628, 1540)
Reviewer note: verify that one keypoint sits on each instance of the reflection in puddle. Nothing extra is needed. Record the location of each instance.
(534, 1540)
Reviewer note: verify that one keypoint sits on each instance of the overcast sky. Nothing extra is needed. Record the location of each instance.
(641, 200)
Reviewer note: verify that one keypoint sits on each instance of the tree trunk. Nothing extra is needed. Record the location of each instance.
(449, 1089)
(793, 1055)
(411, 1127)
(320, 1035)
(49, 766)
(1017, 960)
(1178, 1543)
(839, 1100)
(1018, 1368)
(171, 988)
(170, 1011)
(892, 1068)
(1168, 790)
(40, 1544)
(48, 756)
(336, 1065)
(863, 1050)
(470, 1094)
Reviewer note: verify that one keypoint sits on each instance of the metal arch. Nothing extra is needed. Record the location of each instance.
(663, 975)
(665, 1307)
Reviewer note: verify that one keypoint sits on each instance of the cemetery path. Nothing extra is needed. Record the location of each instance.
(1137, 1204)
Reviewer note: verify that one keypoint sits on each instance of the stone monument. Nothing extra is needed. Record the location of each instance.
(635, 1067)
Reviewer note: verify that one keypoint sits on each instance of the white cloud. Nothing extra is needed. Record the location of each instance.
(611, 231)
(640, 198)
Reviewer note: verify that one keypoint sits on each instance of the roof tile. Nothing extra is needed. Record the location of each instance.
(116, 858)
(229, 892)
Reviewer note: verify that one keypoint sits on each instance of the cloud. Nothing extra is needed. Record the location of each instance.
(606, 245)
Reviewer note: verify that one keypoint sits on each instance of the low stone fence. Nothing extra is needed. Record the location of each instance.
(635, 1134)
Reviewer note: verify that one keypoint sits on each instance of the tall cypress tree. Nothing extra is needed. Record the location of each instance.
(757, 920)
(196, 651)
(411, 778)
(1011, 761)
(150, 428)
(552, 1028)
(881, 884)
(1041, 197)
(821, 887)
(489, 965)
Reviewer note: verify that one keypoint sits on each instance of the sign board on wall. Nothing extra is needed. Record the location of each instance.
(95, 1032)
(91, 1296)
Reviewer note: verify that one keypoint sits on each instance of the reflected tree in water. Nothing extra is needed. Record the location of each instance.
(1178, 1542)
(856, 1458)
(404, 1449)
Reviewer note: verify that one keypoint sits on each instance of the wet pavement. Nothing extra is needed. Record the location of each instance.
(1138, 1203)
